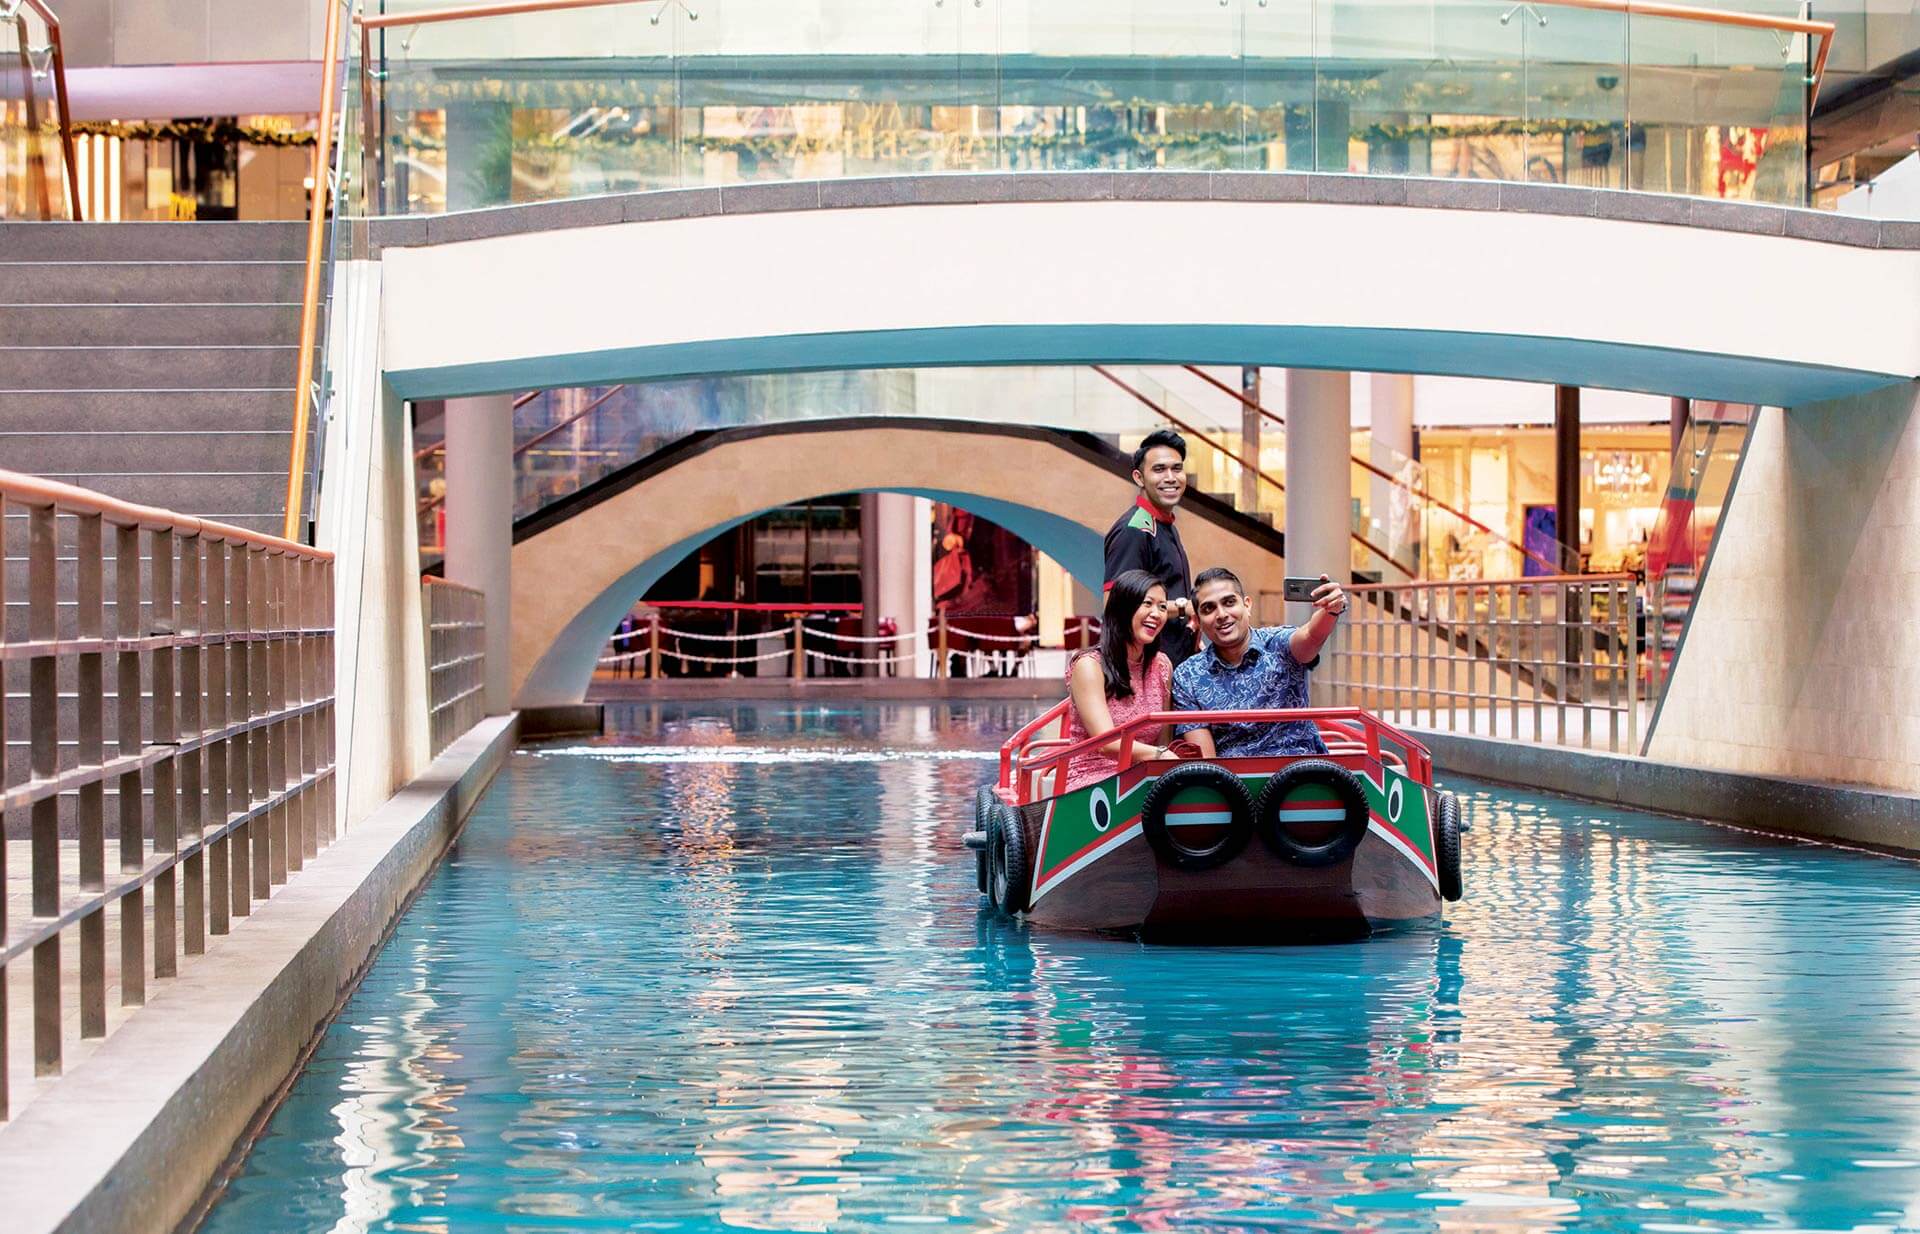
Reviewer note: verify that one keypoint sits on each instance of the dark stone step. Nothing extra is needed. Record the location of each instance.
(146, 368)
(68, 453)
(71, 325)
(91, 242)
(214, 282)
(157, 411)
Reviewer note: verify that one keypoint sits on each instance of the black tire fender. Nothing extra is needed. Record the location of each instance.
(983, 800)
(1007, 870)
(1346, 789)
(1187, 776)
(1446, 844)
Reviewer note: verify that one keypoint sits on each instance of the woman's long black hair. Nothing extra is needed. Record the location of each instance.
(1124, 598)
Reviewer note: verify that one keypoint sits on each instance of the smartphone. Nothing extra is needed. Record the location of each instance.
(1300, 590)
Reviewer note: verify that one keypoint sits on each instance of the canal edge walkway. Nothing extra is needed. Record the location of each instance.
(132, 1138)
(1880, 819)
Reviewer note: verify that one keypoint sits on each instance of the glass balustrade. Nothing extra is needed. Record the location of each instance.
(35, 179)
(673, 93)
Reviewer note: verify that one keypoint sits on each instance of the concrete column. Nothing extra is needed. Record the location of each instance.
(1388, 503)
(1319, 501)
(1566, 475)
(904, 566)
(480, 523)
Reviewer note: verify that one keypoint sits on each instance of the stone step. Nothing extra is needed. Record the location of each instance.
(160, 411)
(127, 325)
(43, 453)
(88, 242)
(146, 368)
(150, 282)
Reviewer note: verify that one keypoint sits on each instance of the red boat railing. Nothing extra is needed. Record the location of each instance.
(1346, 730)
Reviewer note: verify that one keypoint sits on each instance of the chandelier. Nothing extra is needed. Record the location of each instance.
(1623, 473)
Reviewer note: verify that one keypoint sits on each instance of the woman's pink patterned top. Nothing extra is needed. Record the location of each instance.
(1148, 696)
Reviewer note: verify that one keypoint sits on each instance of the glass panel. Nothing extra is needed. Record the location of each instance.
(33, 167)
(1134, 84)
(1719, 111)
(772, 91)
(1576, 129)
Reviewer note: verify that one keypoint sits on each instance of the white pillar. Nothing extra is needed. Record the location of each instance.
(480, 523)
(905, 565)
(1319, 483)
(1392, 431)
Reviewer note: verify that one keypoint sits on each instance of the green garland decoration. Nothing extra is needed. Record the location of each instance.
(216, 132)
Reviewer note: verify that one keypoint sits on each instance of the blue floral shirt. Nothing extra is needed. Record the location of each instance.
(1267, 677)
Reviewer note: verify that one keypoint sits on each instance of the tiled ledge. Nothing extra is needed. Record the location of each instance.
(1880, 819)
(997, 187)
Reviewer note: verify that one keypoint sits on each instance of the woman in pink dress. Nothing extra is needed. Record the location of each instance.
(1122, 679)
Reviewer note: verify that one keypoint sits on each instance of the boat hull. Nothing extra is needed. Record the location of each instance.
(1086, 876)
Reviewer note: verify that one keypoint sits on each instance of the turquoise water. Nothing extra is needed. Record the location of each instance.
(727, 971)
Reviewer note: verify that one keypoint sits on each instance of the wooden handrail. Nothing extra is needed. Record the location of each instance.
(318, 202)
(428, 17)
(37, 492)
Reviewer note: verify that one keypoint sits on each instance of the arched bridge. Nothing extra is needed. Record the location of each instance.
(582, 562)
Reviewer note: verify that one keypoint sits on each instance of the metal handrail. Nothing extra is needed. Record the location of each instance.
(434, 501)
(1254, 405)
(227, 752)
(1184, 427)
(317, 208)
(58, 55)
(1014, 765)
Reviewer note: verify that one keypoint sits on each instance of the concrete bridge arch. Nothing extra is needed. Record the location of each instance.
(580, 565)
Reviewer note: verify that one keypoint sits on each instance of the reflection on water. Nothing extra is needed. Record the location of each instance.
(694, 993)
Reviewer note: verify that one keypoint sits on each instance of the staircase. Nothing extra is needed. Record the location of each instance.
(153, 362)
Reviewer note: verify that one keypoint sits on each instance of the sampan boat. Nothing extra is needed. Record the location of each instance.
(1345, 843)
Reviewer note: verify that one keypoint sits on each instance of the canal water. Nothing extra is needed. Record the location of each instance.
(727, 970)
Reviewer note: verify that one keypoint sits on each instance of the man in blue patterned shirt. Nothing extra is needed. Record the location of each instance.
(1248, 669)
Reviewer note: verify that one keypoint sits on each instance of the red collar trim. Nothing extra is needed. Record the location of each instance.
(1152, 509)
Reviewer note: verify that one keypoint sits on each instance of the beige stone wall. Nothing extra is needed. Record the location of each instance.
(1803, 658)
(561, 571)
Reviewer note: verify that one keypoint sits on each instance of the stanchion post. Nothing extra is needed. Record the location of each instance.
(941, 669)
(1084, 624)
(653, 646)
(799, 648)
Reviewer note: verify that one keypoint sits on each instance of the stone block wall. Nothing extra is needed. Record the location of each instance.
(1803, 656)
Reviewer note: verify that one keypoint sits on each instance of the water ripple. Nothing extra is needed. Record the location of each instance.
(746, 985)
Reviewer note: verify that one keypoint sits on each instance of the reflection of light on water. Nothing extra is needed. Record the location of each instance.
(760, 754)
(762, 997)
(382, 1131)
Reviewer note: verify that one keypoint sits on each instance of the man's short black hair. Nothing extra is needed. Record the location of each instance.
(1159, 437)
(1214, 574)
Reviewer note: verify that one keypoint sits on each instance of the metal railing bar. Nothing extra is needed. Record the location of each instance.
(38, 788)
(40, 929)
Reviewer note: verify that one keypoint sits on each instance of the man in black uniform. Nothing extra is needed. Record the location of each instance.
(1144, 538)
